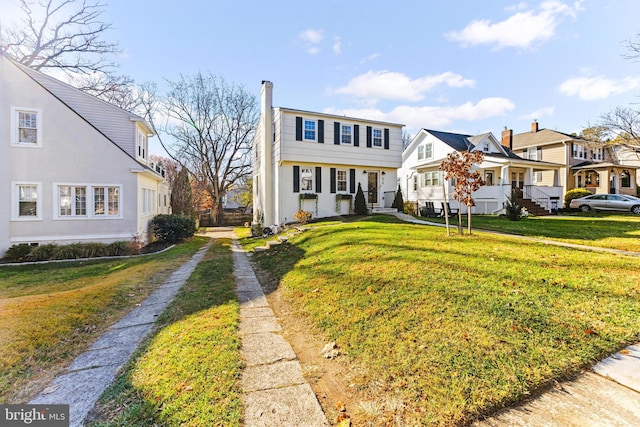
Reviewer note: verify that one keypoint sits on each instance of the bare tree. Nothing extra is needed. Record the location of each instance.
(210, 124)
(623, 127)
(459, 166)
(406, 139)
(63, 34)
(68, 35)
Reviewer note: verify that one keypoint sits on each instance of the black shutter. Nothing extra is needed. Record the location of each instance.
(386, 139)
(369, 136)
(336, 133)
(298, 128)
(333, 180)
(318, 179)
(356, 135)
(296, 179)
(321, 131)
(352, 180)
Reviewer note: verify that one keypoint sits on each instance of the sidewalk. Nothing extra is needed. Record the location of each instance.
(275, 391)
(90, 374)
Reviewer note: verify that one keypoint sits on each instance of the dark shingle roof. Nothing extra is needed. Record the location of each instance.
(454, 140)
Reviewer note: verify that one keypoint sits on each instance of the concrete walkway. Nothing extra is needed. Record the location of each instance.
(275, 391)
(608, 395)
(90, 374)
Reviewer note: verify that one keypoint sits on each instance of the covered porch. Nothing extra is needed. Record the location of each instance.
(537, 182)
(603, 178)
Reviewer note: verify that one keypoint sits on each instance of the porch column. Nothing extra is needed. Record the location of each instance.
(504, 175)
(528, 177)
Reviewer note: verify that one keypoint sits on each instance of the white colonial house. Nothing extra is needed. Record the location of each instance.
(421, 179)
(312, 161)
(73, 168)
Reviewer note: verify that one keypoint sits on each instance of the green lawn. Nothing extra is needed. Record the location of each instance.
(188, 372)
(592, 229)
(50, 313)
(441, 330)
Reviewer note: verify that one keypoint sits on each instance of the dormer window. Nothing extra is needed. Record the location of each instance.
(485, 147)
(142, 145)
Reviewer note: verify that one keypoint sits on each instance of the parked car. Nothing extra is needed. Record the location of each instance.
(607, 202)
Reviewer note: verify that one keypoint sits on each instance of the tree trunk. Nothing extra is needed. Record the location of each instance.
(469, 219)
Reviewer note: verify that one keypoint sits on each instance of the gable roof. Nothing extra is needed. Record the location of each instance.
(110, 120)
(542, 137)
(461, 142)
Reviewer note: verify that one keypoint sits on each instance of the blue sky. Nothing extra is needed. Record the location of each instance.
(464, 66)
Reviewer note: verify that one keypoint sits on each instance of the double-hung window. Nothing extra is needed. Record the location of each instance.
(142, 145)
(346, 134)
(425, 151)
(377, 137)
(309, 130)
(306, 179)
(26, 201)
(341, 180)
(26, 127)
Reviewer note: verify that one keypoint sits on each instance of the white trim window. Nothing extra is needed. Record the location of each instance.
(72, 201)
(106, 201)
(142, 145)
(425, 151)
(341, 180)
(376, 136)
(579, 151)
(148, 201)
(306, 179)
(26, 127)
(346, 134)
(597, 154)
(431, 179)
(309, 130)
(27, 199)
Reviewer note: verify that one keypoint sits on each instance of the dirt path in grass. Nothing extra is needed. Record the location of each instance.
(329, 378)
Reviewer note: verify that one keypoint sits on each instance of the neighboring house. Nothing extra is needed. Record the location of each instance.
(315, 161)
(73, 168)
(586, 164)
(421, 179)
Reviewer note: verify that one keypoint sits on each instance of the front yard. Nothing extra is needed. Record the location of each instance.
(438, 330)
(432, 329)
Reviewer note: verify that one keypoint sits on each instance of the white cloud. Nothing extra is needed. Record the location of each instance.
(337, 46)
(522, 29)
(376, 85)
(590, 88)
(541, 112)
(311, 39)
(433, 117)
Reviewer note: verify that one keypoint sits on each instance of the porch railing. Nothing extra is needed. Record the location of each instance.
(537, 196)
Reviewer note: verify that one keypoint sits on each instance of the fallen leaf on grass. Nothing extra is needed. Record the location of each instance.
(625, 352)
(589, 332)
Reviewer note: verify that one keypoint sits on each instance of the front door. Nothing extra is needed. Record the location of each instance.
(372, 187)
(612, 184)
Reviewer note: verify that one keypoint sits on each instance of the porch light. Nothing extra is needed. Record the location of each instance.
(364, 171)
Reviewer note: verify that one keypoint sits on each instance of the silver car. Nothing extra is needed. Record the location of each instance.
(607, 202)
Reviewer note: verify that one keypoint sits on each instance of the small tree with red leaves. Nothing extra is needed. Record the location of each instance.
(459, 166)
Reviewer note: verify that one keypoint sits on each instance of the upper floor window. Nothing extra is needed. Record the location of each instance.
(425, 151)
(309, 130)
(346, 134)
(26, 127)
(485, 147)
(142, 145)
(597, 154)
(377, 137)
(579, 151)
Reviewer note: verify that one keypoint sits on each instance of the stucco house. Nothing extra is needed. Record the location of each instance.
(73, 168)
(585, 164)
(315, 161)
(421, 179)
